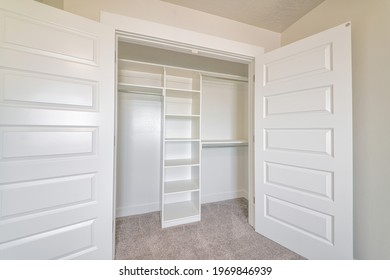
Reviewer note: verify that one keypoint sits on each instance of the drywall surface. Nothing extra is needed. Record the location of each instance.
(371, 101)
(59, 4)
(173, 15)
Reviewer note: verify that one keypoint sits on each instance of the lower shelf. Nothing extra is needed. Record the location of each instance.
(180, 213)
(181, 186)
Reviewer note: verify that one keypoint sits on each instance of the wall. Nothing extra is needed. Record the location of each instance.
(173, 15)
(55, 3)
(138, 154)
(371, 100)
(185, 60)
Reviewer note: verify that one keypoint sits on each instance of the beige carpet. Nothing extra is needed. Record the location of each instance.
(223, 233)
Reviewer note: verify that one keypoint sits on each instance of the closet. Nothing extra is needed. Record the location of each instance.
(181, 132)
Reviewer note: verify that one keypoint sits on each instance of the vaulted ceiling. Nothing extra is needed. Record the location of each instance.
(274, 15)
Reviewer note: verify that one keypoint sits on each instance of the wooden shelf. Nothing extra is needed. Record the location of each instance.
(181, 186)
(181, 162)
(178, 92)
(182, 102)
(179, 116)
(182, 140)
(140, 74)
(181, 79)
(182, 127)
(180, 210)
(123, 87)
(224, 143)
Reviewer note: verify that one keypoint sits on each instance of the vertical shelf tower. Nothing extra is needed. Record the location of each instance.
(181, 133)
(181, 147)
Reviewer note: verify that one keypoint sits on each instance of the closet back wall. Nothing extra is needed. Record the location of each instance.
(224, 117)
(138, 154)
(167, 57)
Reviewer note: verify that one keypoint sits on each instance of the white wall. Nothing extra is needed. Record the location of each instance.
(224, 173)
(371, 100)
(138, 154)
(173, 15)
(224, 117)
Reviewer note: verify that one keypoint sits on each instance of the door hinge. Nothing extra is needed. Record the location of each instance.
(254, 200)
(253, 139)
(254, 78)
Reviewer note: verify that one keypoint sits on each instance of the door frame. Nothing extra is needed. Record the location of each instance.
(133, 30)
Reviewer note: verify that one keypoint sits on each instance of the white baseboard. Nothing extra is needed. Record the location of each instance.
(223, 196)
(137, 209)
(154, 207)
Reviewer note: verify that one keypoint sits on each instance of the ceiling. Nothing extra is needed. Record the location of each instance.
(274, 15)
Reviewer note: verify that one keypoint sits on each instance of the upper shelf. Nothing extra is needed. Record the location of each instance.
(182, 79)
(140, 74)
(124, 87)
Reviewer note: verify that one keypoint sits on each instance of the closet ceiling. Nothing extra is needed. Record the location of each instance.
(274, 15)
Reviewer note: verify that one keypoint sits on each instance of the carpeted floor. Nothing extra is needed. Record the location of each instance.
(223, 233)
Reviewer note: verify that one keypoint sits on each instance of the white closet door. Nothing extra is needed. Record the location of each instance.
(56, 134)
(303, 156)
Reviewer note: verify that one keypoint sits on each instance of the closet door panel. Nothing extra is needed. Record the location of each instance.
(56, 134)
(303, 150)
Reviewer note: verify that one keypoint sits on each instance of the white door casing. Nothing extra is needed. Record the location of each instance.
(56, 134)
(303, 149)
(138, 31)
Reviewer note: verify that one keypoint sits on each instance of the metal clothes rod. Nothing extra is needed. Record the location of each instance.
(140, 92)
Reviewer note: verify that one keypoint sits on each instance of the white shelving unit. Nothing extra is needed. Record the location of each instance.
(198, 110)
(182, 147)
(181, 130)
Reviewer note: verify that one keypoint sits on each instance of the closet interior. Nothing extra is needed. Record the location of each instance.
(181, 132)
